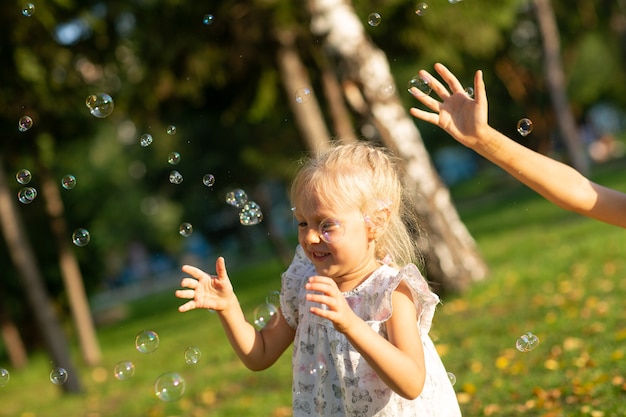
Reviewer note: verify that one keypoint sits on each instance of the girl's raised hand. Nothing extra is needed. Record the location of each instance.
(324, 290)
(212, 292)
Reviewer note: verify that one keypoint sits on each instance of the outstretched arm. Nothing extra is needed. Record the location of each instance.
(257, 349)
(465, 119)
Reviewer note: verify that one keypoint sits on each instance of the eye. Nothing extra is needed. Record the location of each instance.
(331, 230)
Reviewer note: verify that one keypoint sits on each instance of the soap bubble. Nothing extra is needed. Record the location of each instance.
(527, 342)
(185, 229)
(421, 9)
(4, 377)
(331, 230)
(452, 378)
(273, 298)
(28, 10)
(250, 214)
(169, 386)
(68, 181)
(524, 126)
(58, 376)
(237, 198)
(264, 315)
(145, 140)
(318, 368)
(208, 180)
(25, 123)
(374, 19)
(454, 1)
(303, 95)
(23, 176)
(469, 91)
(27, 195)
(420, 83)
(171, 130)
(81, 237)
(124, 370)
(176, 177)
(208, 19)
(173, 158)
(192, 355)
(147, 341)
(100, 104)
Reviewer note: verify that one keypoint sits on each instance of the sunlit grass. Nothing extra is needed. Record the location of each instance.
(554, 273)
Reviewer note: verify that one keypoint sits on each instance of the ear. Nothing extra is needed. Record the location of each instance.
(376, 214)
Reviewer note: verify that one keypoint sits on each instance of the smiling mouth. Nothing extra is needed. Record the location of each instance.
(319, 255)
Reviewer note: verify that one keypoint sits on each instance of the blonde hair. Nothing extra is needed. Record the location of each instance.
(354, 175)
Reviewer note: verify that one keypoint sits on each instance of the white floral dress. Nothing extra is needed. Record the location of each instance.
(330, 378)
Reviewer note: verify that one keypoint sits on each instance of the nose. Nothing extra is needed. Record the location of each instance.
(311, 235)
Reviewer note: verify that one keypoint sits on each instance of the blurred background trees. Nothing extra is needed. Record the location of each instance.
(210, 70)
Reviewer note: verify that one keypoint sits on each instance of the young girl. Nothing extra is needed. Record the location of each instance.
(465, 119)
(358, 321)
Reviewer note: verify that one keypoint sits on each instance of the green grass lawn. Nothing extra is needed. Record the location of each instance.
(553, 273)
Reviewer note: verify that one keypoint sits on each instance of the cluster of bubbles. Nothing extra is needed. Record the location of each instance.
(100, 105)
(527, 342)
(169, 386)
(250, 212)
(265, 313)
(524, 126)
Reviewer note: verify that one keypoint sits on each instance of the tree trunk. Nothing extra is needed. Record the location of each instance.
(555, 78)
(12, 340)
(72, 277)
(24, 260)
(294, 75)
(452, 259)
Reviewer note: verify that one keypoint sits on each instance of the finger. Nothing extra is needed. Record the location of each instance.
(480, 92)
(435, 84)
(425, 99)
(185, 294)
(189, 305)
(220, 268)
(453, 83)
(189, 283)
(425, 115)
(194, 272)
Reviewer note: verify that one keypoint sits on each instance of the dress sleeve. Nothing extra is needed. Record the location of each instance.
(292, 283)
(424, 299)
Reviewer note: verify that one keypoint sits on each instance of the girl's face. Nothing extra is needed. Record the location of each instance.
(338, 242)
